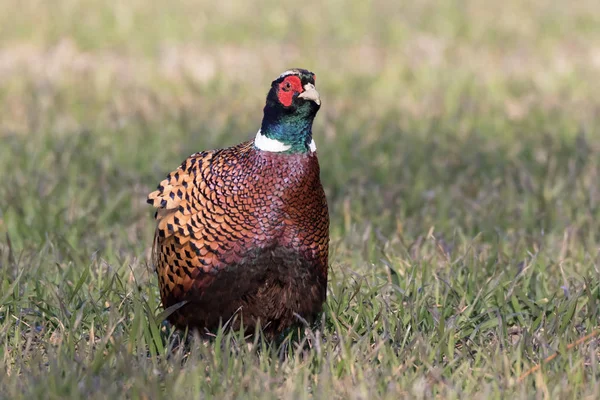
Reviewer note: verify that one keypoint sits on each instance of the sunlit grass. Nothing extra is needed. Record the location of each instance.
(459, 153)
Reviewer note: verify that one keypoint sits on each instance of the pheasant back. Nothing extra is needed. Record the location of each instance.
(242, 232)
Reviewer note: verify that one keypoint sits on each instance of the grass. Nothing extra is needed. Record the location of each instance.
(459, 152)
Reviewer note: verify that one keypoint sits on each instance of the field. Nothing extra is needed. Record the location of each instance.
(460, 152)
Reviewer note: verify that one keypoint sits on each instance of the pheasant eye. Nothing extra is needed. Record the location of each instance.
(287, 90)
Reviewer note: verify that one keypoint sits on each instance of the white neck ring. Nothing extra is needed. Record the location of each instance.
(275, 146)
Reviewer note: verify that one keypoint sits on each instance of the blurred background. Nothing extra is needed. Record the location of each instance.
(435, 112)
(454, 136)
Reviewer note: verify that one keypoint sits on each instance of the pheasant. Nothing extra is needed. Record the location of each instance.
(244, 231)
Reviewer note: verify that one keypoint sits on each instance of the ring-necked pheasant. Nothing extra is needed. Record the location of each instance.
(246, 229)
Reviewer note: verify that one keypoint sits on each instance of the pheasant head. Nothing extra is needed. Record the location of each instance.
(292, 104)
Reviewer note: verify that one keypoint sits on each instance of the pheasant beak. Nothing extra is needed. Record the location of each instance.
(310, 93)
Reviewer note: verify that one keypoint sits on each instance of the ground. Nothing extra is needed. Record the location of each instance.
(460, 154)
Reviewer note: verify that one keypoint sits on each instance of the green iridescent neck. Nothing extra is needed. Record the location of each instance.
(294, 131)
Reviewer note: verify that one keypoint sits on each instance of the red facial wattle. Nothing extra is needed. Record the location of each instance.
(290, 86)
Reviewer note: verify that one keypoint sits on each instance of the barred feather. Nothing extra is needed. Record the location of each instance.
(242, 228)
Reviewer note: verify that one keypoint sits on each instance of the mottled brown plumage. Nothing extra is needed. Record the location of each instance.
(242, 230)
